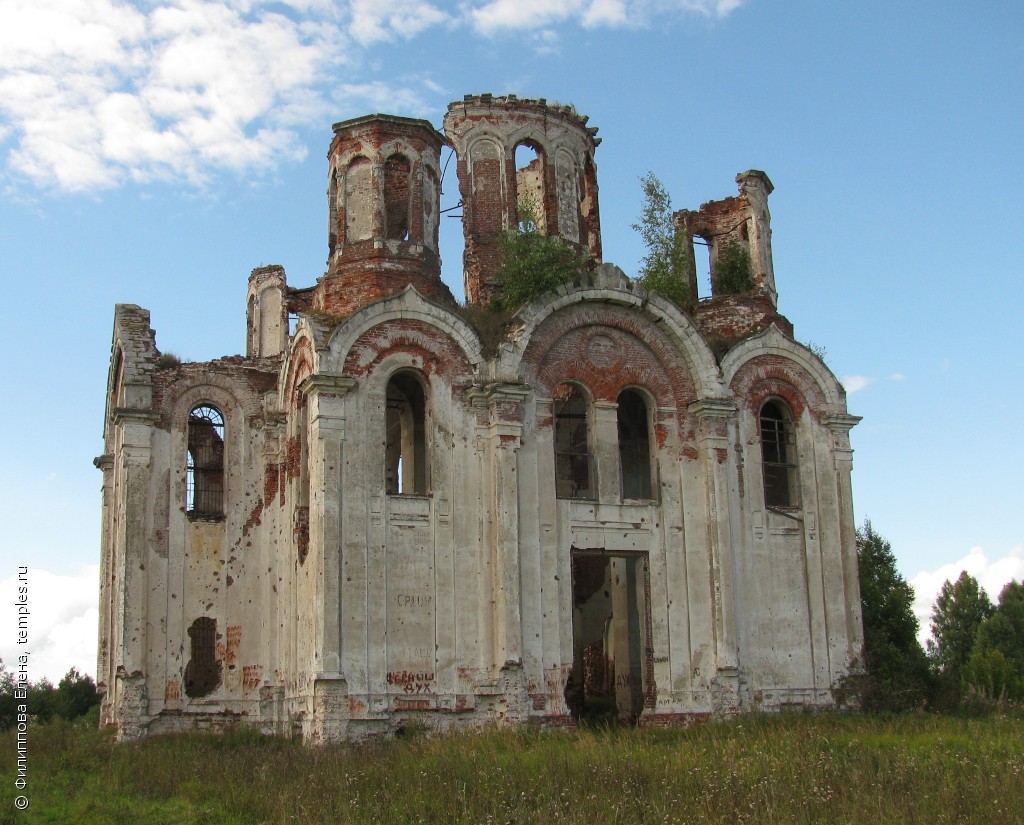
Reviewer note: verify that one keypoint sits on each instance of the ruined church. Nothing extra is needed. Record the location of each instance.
(394, 509)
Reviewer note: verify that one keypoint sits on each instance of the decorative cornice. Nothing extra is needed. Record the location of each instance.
(499, 391)
(841, 422)
(132, 415)
(713, 408)
(318, 384)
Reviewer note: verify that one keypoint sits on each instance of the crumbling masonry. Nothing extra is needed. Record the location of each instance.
(625, 507)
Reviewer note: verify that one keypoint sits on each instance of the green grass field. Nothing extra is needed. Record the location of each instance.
(757, 769)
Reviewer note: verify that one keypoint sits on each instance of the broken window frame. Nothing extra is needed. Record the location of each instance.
(575, 466)
(779, 460)
(204, 463)
(635, 460)
(406, 463)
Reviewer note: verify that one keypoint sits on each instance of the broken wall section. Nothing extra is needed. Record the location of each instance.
(737, 232)
(485, 132)
(742, 221)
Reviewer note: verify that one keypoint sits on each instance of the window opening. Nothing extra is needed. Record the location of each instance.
(778, 454)
(405, 452)
(204, 472)
(702, 259)
(397, 177)
(451, 237)
(573, 462)
(202, 673)
(530, 188)
(634, 445)
(252, 346)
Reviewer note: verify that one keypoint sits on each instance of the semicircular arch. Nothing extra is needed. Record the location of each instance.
(408, 305)
(820, 382)
(660, 313)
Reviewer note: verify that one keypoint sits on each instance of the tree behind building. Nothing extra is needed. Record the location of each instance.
(897, 676)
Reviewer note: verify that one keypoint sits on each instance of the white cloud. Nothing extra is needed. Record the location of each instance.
(498, 15)
(95, 92)
(855, 383)
(62, 622)
(991, 575)
(374, 20)
(378, 96)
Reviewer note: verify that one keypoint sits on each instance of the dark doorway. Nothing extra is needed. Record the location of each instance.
(610, 633)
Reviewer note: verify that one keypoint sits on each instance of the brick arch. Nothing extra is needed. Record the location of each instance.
(228, 395)
(774, 376)
(301, 363)
(608, 348)
(774, 345)
(429, 349)
(657, 320)
(407, 306)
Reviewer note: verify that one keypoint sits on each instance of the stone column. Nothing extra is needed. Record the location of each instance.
(715, 417)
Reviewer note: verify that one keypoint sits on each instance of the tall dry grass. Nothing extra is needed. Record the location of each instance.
(764, 769)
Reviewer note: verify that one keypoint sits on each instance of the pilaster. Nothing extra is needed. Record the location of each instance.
(715, 417)
(839, 425)
(503, 433)
(325, 396)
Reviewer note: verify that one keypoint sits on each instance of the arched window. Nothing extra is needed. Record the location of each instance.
(634, 445)
(397, 194)
(405, 451)
(778, 456)
(530, 200)
(204, 470)
(574, 465)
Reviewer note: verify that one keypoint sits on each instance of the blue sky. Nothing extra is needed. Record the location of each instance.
(155, 152)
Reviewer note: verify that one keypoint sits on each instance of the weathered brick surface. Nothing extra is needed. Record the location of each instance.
(730, 318)
(484, 131)
(349, 608)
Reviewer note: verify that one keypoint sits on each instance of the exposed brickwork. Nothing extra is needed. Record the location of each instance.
(384, 207)
(271, 476)
(253, 376)
(732, 318)
(302, 533)
(352, 604)
(293, 457)
(254, 517)
(640, 355)
(608, 349)
(485, 131)
(772, 376)
(378, 274)
(437, 352)
(742, 220)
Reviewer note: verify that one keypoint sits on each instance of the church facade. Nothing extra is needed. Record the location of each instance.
(396, 509)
